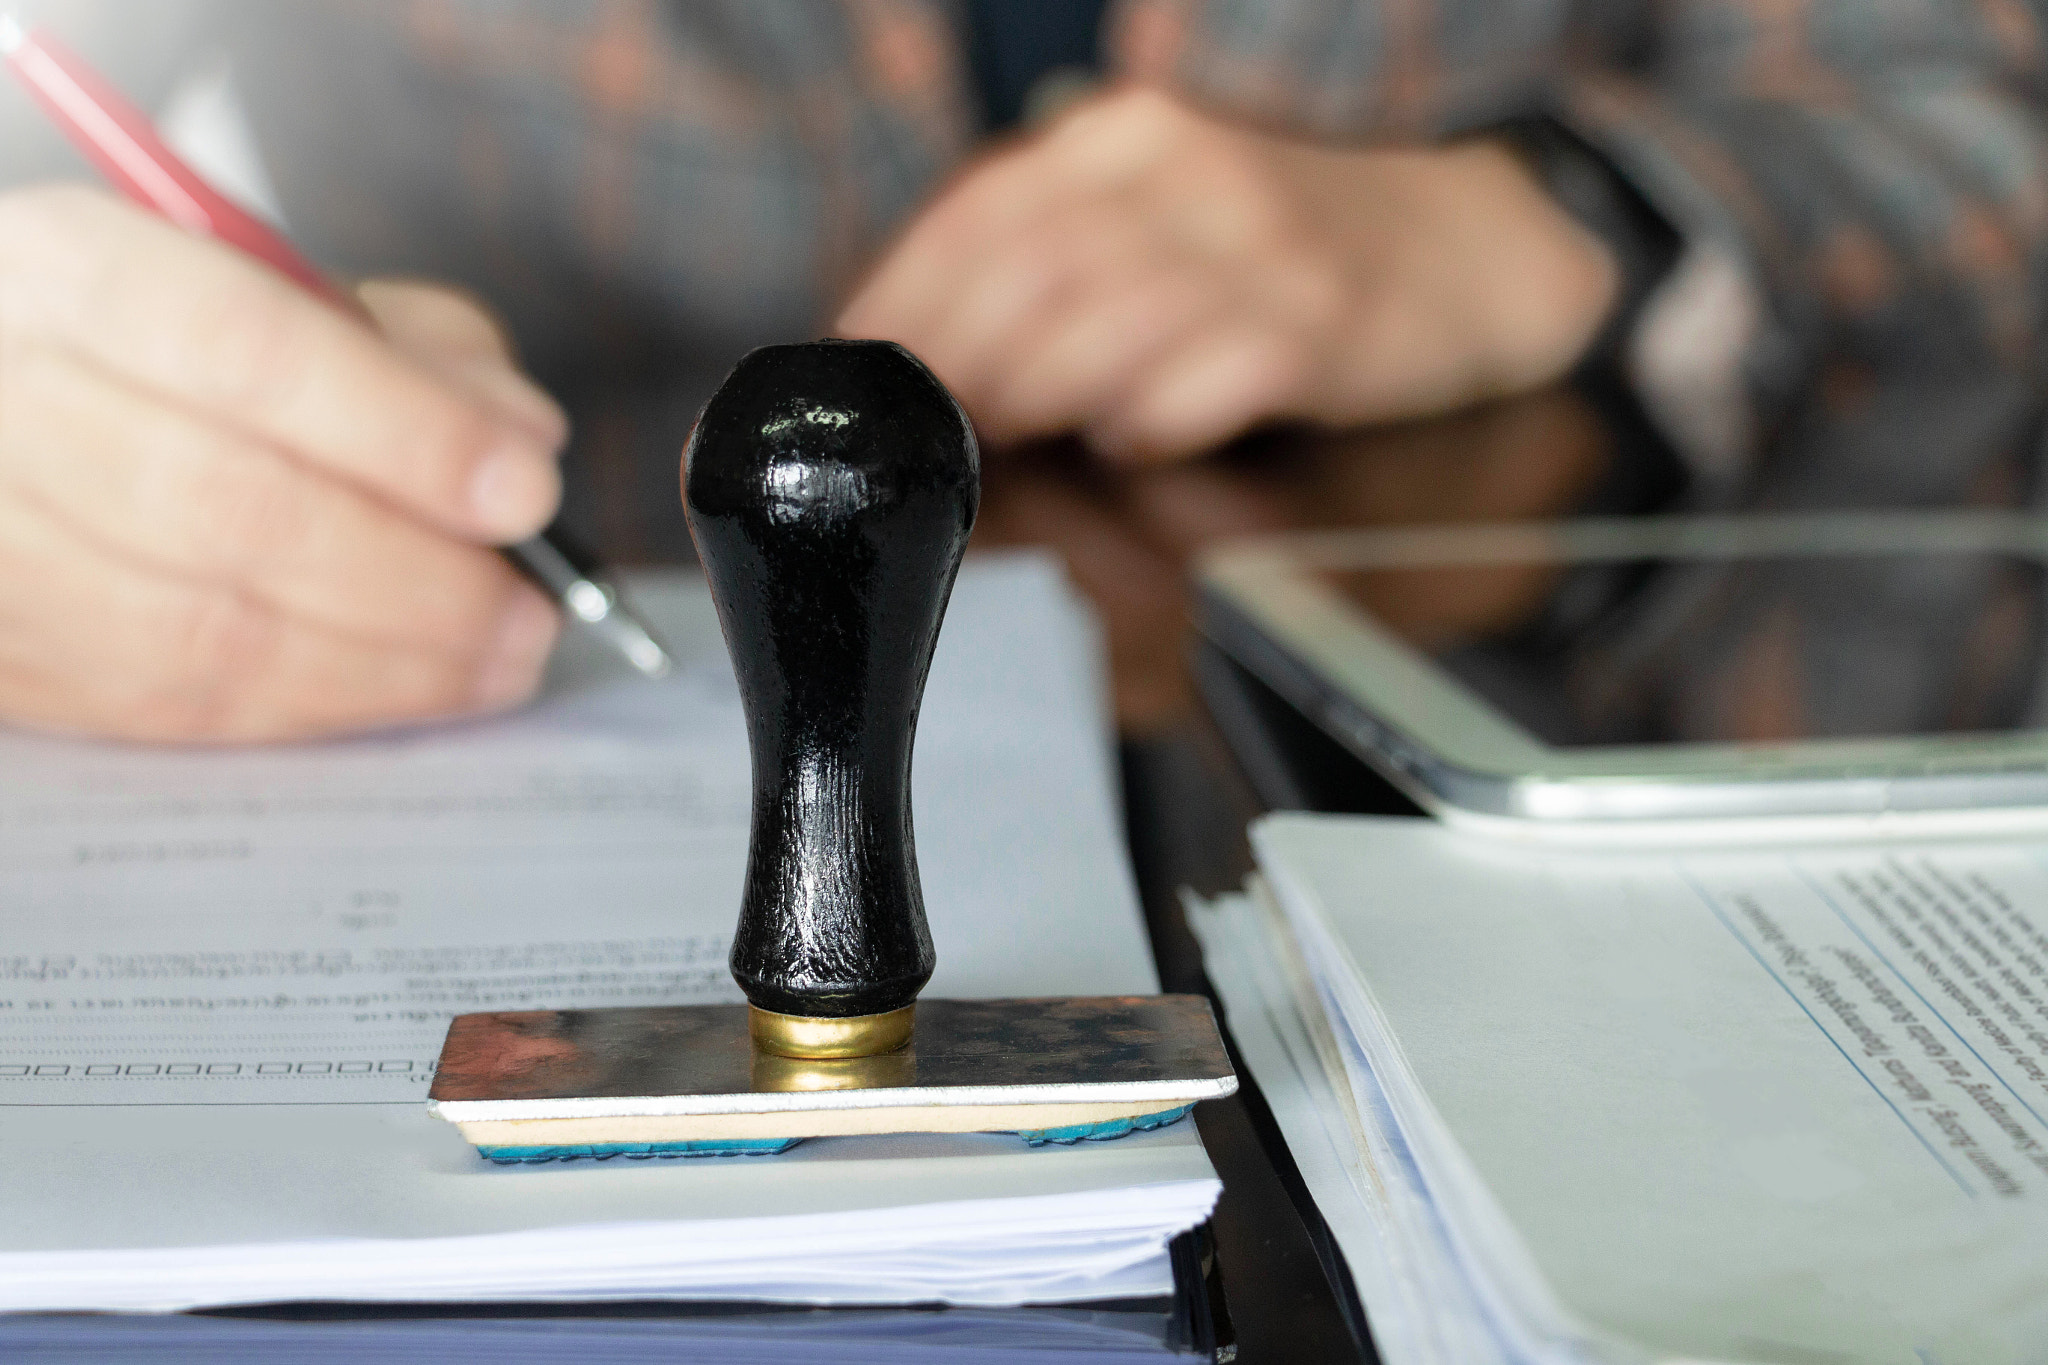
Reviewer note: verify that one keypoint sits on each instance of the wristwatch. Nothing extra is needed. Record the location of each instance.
(1585, 185)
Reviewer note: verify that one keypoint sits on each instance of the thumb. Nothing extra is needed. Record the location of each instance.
(453, 335)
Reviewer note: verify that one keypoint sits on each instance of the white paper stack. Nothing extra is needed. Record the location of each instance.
(642, 1335)
(1760, 1105)
(224, 978)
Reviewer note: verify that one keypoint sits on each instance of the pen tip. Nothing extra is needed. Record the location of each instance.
(650, 659)
(639, 646)
(11, 36)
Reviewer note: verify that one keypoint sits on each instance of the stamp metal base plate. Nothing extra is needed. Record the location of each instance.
(659, 1077)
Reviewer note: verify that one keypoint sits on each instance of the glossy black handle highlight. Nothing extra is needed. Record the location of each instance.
(830, 488)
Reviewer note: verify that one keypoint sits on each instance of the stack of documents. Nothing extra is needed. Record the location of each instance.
(224, 979)
(641, 1335)
(1777, 1104)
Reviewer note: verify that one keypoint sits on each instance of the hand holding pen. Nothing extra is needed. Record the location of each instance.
(234, 512)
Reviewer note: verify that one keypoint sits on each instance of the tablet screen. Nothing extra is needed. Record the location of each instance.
(1765, 649)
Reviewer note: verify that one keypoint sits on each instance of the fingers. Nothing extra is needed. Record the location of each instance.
(245, 514)
(1090, 352)
(456, 337)
(997, 204)
(1160, 283)
(968, 263)
(157, 486)
(112, 649)
(1126, 276)
(1202, 393)
(205, 329)
(1145, 346)
(425, 319)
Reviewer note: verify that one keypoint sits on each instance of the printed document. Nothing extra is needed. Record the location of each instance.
(1771, 1105)
(225, 976)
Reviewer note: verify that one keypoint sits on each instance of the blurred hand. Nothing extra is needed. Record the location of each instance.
(229, 513)
(1160, 282)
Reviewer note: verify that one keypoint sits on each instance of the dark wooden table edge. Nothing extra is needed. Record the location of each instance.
(1184, 788)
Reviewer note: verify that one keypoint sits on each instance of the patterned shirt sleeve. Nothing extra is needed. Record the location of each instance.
(1861, 188)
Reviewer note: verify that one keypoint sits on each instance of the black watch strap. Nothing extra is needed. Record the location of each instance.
(1585, 185)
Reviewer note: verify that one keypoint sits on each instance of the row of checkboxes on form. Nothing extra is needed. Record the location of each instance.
(97, 1069)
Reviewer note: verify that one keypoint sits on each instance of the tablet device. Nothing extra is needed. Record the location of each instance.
(1668, 677)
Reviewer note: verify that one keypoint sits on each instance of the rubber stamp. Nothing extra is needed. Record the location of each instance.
(830, 488)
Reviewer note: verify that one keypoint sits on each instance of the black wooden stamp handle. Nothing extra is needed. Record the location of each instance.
(830, 488)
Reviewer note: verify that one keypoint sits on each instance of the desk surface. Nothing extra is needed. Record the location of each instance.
(1128, 537)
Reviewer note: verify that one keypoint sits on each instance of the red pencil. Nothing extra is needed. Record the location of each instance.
(122, 141)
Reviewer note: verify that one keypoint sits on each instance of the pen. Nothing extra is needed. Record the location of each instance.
(122, 141)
